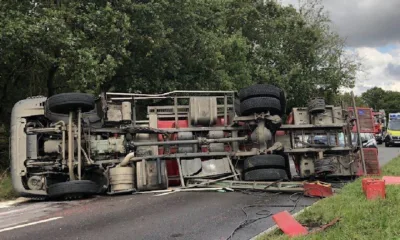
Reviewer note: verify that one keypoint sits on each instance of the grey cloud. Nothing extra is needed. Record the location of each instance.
(393, 69)
(369, 23)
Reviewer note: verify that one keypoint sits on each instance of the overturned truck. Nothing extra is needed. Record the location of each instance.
(73, 144)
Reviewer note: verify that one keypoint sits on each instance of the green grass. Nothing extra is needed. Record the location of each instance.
(360, 218)
(6, 190)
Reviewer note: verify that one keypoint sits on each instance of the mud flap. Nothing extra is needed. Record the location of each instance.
(196, 168)
(151, 175)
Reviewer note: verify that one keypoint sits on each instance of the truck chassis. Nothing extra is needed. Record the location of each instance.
(72, 144)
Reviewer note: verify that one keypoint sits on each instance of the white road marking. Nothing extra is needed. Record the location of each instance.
(29, 224)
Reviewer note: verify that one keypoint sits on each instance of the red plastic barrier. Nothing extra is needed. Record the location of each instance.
(375, 188)
(391, 180)
(288, 224)
(364, 183)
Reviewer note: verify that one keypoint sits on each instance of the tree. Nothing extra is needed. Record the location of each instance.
(153, 46)
(374, 97)
(48, 48)
(391, 101)
(347, 100)
(182, 45)
(296, 51)
(378, 99)
(162, 45)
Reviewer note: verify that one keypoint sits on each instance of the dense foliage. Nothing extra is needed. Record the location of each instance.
(377, 98)
(48, 47)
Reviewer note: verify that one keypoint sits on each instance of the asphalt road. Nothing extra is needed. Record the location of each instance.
(387, 153)
(210, 215)
(176, 216)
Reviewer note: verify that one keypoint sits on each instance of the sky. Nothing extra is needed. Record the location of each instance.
(370, 28)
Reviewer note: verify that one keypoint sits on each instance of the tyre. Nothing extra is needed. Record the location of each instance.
(387, 144)
(269, 174)
(263, 90)
(264, 161)
(91, 117)
(65, 102)
(259, 105)
(260, 90)
(316, 105)
(73, 189)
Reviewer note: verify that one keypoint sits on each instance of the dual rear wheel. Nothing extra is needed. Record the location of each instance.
(272, 167)
(261, 98)
(256, 99)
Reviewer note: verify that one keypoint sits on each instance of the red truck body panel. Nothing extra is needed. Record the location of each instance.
(366, 119)
(172, 166)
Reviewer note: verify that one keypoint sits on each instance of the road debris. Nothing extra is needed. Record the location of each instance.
(317, 189)
(195, 190)
(289, 225)
(323, 227)
(310, 189)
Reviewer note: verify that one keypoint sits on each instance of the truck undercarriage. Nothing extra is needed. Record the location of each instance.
(72, 144)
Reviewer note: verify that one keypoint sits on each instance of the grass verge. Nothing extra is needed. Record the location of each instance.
(6, 189)
(360, 218)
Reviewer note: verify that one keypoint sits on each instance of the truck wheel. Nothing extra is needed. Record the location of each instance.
(264, 161)
(263, 90)
(259, 105)
(65, 102)
(269, 174)
(73, 189)
(260, 90)
(91, 116)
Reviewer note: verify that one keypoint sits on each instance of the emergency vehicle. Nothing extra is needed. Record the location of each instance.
(392, 136)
